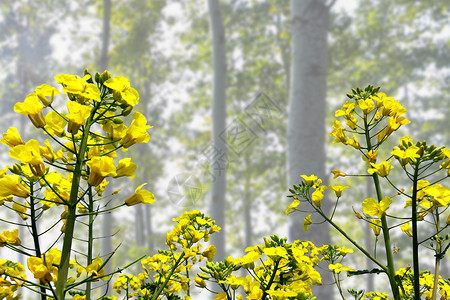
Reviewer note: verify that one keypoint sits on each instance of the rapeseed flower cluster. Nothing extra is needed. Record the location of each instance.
(370, 119)
(12, 277)
(167, 272)
(277, 269)
(67, 172)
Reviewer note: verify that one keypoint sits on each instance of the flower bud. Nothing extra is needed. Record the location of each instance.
(86, 72)
(127, 110)
(357, 214)
(105, 76)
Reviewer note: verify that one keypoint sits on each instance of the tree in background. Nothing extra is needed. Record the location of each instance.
(219, 146)
(307, 109)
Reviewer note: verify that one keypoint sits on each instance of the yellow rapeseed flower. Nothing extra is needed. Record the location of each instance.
(309, 180)
(122, 85)
(137, 132)
(338, 133)
(376, 226)
(338, 189)
(55, 123)
(125, 168)
(43, 91)
(406, 228)
(32, 108)
(338, 173)
(306, 222)
(77, 116)
(100, 167)
(12, 138)
(140, 196)
(30, 153)
(374, 208)
(381, 169)
(10, 237)
(12, 185)
(40, 271)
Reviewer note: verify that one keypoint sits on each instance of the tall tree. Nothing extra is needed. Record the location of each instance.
(307, 106)
(219, 157)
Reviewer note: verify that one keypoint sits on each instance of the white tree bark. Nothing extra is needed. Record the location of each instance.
(219, 157)
(306, 124)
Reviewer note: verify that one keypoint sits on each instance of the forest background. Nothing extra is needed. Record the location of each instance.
(232, 133)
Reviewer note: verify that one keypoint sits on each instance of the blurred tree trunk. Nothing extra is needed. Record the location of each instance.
(219, 150)
(105, 35)
(108, 219)
(306, 124)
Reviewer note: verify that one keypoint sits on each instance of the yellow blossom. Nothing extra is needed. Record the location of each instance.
(309, 180)
(276, 252)
(96, 268)
(373, 208)
(337, 268)
(317, 195)
(306, 222)
(440, 194)
(353, 142)
(406, 228)
(121, 85)
(292, 207)
(30, 153)
(200, 282)
(39, 269)
(43, 91)
(137, 132)
(338, 133)
(366, 105)
(140, 196)
(100, 167)
(10, 237)
(221, 296)
(12, 138)
(376, 226)
(381, 169)
(32, 108)
(77, 116)
(338, 189)
(338, 173)
(406, 156)
(12, 185)
(370, 157)
(55, 123)
(210, 252)
(125, 168)
(394, 123)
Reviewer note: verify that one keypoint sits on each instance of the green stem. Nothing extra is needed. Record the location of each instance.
(167, 278)
(35, 233)
(71, 216)
(338, 285)
(384, 225)
(90, 238)
(354, 243)
(415, 242)
(34, 229)
(438, 259)
(272, 277)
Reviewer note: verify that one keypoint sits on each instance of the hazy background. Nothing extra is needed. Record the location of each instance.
(165, 49)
